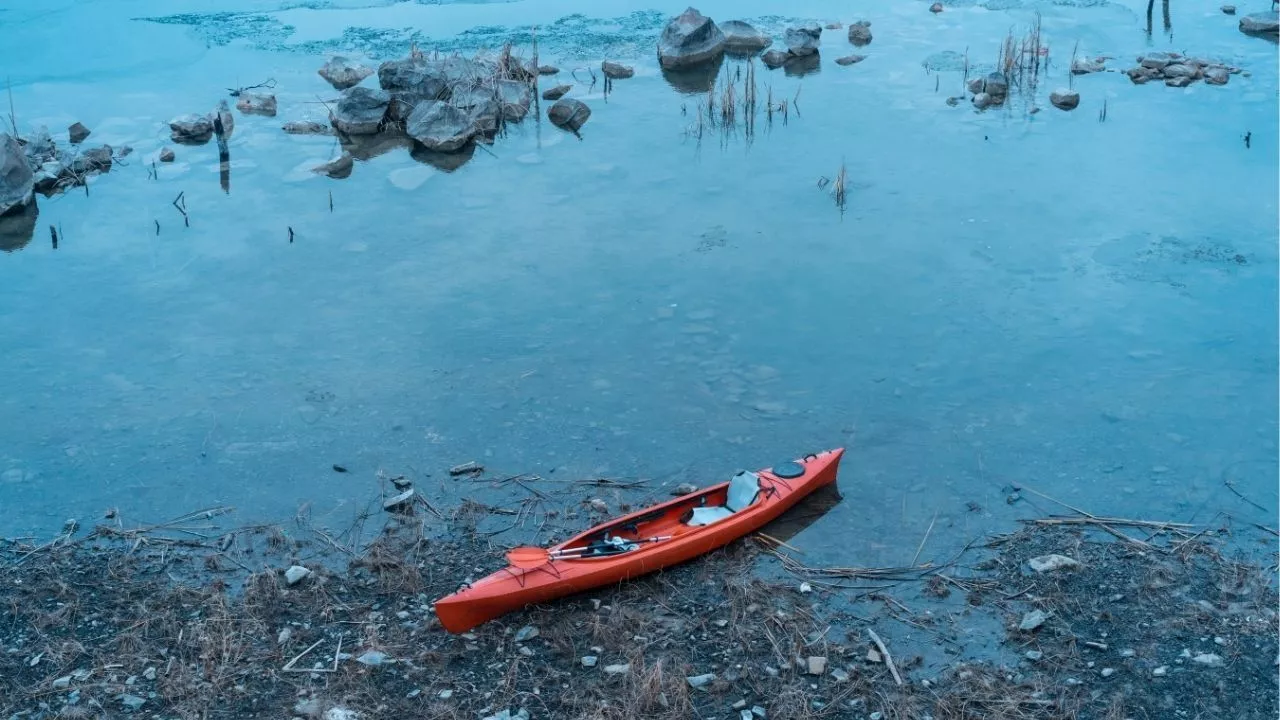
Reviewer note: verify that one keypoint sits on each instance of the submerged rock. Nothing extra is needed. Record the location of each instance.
(338, 168)
(1216, 76)
(77, 133)
(167, 155)
(92, 160)
(774, 58)
(556, 92)
(360, 111)
(1084, 66)
(743, 37)
(569, 114)
(1180, 81)
(255, 104)
(996, 85)
(341, 73)
(803, 39)
(1229, 9)
(616, 71)
(850, 59)
(935, 8)
(17, 189)
(688, 39)
(1181, 70)
(1156, 60)
(1140, 74)
(48, 177)
(306, 127)
(1064, 99)
(440, 127)
(514, 97)
(860, 33)
(1263, 23)
(548, 70)
(191, 129)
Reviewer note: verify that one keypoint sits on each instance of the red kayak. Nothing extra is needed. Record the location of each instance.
(639, 543)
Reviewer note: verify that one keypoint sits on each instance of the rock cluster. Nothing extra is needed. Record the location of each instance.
(1177, 70)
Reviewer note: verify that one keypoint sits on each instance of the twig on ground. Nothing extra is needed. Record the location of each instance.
(884, 651)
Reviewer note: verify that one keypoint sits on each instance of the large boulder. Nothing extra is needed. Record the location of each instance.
(514, 96)
(860, 33)
(803, 39)
(440, 127)
(480, 103)
(413, 81)
(569, 114)
(360, 111)
(688, 39)
(1263, 23)
(191, 129)
(341, 73)
(742, 37)
(16, 178)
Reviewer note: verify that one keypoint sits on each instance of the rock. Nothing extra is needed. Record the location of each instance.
(622, 669)
(526, 633)
(1033, 620)
(803, 39)
(850, 59)
(521, 714)
(47, 176)
(62, 682)
(1178, 82)
(17, 182)
(806, 587)
(774, 59)
(1050, 563)
(1263, 23)
(598, 505)
(373, 658)
(816, 665)
(257, 104)
(935, 8)
(743, 37)
(1033, 655)
(556, 92)
(221, 115)
(514, 98)
(982, 101)
(860, 33)
(685, 489)
(840, 675)
(296, 574)
(191, 129)
(341, 73)
(590, 661)
(167, 155)
(975, 85)
(1228, 9)
(341, 713)
(1161, 671)
(132, 703)
(1141, 74)
(92, 160)
(548, 70)
(416, 76)
(1084, 66)
(1107, 672)
(1181, 70)
(306, 127)
(77, 133)
(360, 111)
(697, 681)
(39, 148)
(877, 715)
(338, 168)
(569, 114)
(616, 71)
(480, 103)
(759, 712)
(1208, 660)
(690, 38)
(1155, 61)
(125, 151)
(404, 501)
(874, 656)
(996, 85)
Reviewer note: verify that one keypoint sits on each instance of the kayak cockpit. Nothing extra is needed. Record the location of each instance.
(743, 490)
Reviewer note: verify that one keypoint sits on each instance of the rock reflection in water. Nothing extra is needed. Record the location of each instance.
(699, 78)
(803, 65)
(368, 147)
(16, 228)
(447, 162)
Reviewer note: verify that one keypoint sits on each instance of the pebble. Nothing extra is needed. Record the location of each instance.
(806, 587)
(526, 651)
(284, 636)
(722, 623)
(745, 715)
(877, 715)
(526, 633)
(817, 665)
(62, 682)
(1219, 641)
(1033, 620)
(296, 574)
(445, 694)
(741, 705)
(132, 702)
(1050, 563)
(1033, 655)
(1208, 660)
(1108, 672)
(589, 661)
(1127, 653)
(758, 712)
(684, 489)
(622, 669)
(697, 681)
(1161, 671)
(373, 658)
(839, 675)
(149, 673)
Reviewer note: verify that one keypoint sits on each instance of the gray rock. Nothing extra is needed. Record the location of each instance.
(415, 80)
(92, 160)
(840, 675)
(48, 176)
(816, 665)
(1052, 562)
(360, 111)
(527, 633)
(1179, 82)
(690, 38)
(132, 703)
(697, 681)
(257, 104)
(338, 168)
(616, 71)
(1084, 66)
(373, 658)
(222, 115)
(1229, 9)
(1174, 70)
(621, 669)
(1216, 76)
(589, 661)
(17, 189)
(1033, 655)
(306, 127)
(440, 127)
(935, 8)
(39, 148)
(401, 503)
(860, 33)
(548, 70)
(296, 574)
(1141, 75)
(167, 155)
(803, 39)
(514, 97)
(1262, 23)
(685, 489)
(341, 73)
(1033, 620)
(521, 714)
(556, 92)
(480, 103)
(774, 59)
(191, 129)
(850, 59)
(996, 85)
(569, 114)
(759, 712)
(1155, 61)
(982, 101)
(1208, 660)
(77, 133)
(743, 37)
(1107, 672)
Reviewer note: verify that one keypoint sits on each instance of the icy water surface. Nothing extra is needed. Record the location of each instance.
(1085, 308)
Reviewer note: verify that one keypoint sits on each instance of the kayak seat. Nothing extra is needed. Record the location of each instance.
(743, 489)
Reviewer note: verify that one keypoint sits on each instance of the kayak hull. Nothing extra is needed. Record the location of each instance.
(673, 541)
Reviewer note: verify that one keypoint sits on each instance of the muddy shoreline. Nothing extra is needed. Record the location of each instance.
(196, 618)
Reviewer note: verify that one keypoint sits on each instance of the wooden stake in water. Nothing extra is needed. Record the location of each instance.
(54, 233)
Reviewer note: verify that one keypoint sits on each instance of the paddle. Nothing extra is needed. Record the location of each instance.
(527, 558)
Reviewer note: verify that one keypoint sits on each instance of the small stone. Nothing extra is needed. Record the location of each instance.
(774, 59)
(685, 489)
(982, 101)
(1220, 641)
(342, 73)
(257, 104)
(817, 665)
(839, 675)
(1084, 66)
(1108, 672)
(399, 503)
(877, 715)
(1261, 23)
(149, 673)
(403, 615)
(133, 703)
(526, 633)
(741, 705)
(1127, 653)
(1212, 660)
(806, 587)
(1064, 100)
(1179, 82)
(556, 92)
(697, 681)
(589, 661)
(850, 59)
(444, 694)
(338, 168)
(598, 505)
(935, 8)
(873, 655)
(526, 651)
(284, 636)
(1217, 76)
(616, 71)
(296, 574)
(759, 712)
(860, 33)
(1228, 9)
(62, 682)
(466, 468)
(1033, 655)
(373, 658)
(548, 70)
(1161, 671)
(167, 155)
(569, 113)
(341, 713)
(307, 708)
(1033, 620)
(306, 127)
(721, 623)
(77, 133)
(621, 669)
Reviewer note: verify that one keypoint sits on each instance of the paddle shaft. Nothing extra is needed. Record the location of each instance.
(578, 552)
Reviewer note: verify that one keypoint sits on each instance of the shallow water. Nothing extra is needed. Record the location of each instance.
(1084, 308)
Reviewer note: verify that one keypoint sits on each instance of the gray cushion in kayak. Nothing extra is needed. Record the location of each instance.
(708, 515)
(742, 490)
